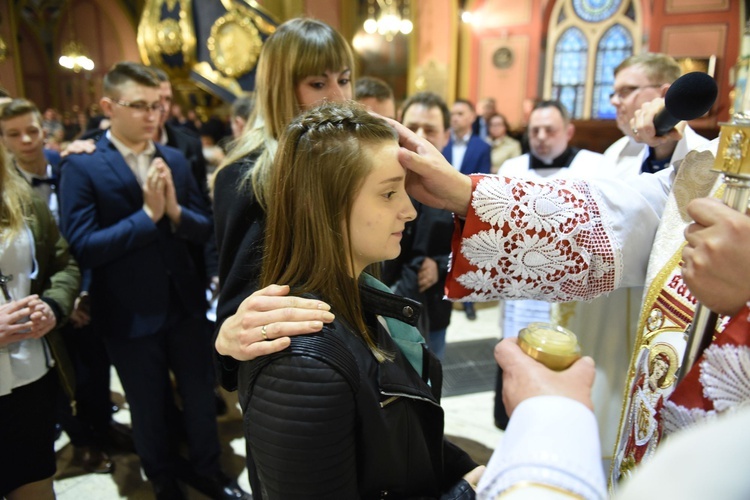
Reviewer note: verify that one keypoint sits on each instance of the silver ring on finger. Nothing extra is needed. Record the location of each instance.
(263, 332)
(635, 131)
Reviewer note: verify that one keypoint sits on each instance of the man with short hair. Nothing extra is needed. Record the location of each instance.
(23, 135)
(239, 114)
(419, 271)
(179, 137)
(468, 154)
(376, 95)
(486, 108)
(551, 156)
(428, 117)
(640, 79)
(129, 210)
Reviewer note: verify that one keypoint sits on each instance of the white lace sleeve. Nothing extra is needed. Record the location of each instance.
(559, 240)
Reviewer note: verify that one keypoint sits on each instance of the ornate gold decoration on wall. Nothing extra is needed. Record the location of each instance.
(169, 36)
(217, 78)
(264, 26)
(3, 50)
(234, 44)
(503, 58)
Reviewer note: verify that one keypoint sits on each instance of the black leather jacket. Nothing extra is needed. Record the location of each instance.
(324, 419)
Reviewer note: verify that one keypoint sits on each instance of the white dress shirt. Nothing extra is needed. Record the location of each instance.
(138, 162)
(459, 145)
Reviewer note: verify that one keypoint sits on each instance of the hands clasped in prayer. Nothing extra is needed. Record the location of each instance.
(159, 196)
(26, 318)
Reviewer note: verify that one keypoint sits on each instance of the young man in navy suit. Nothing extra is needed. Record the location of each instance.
(468, 153)
(129, 211)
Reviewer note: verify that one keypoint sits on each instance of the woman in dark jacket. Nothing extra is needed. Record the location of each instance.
(351, 412)
(304, 62)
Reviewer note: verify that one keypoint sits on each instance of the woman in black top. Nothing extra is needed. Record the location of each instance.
(303, 63)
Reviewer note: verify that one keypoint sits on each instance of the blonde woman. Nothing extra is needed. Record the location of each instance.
(303, 63)
(39, 281)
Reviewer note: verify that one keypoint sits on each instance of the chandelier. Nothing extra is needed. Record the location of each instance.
(73, 55)
(392, 19)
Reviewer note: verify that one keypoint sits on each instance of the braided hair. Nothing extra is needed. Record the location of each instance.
(323, 159)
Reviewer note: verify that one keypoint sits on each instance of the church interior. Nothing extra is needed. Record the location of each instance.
(515, 52)
(56, 53)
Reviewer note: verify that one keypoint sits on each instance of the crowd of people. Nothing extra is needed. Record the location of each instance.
(330, 230)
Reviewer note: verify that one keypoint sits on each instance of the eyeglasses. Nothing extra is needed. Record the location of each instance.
(141, 106)
(624, 92)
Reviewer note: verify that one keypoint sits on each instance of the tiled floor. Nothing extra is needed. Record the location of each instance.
(468, 418)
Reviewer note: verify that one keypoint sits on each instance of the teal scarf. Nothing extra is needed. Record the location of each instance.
(406, 337)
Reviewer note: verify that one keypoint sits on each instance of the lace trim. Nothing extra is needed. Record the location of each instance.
(675, 417)
(547, 241)
(725, 376)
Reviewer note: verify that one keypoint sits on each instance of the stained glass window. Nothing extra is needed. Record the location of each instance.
(595, 11)
(587, 40)
(569, 70)
(615, 45)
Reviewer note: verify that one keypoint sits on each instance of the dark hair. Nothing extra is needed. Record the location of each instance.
(19, 107)
(370, 86)
(502, 117)
(160, 73)
(467, 102)
(127, 71)
(242, 107)
(429, 100)
(553, 104)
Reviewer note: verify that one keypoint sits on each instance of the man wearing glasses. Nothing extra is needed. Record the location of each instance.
(639, 80)
(129, 211)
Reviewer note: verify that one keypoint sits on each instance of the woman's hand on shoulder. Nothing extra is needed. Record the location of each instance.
(266, 319)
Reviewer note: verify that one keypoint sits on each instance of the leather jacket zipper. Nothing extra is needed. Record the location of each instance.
(393, 396)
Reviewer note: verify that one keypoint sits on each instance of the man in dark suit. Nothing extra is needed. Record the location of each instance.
(189, 144)
(468, 153)
(485, 110)
(129, 210)
(420, 270)
(178, 137)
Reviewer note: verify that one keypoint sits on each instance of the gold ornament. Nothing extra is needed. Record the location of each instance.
(234, 45)
(169, 36)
